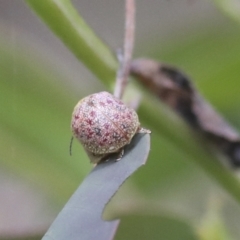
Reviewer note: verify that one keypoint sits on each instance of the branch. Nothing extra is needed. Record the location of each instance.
(123, 72)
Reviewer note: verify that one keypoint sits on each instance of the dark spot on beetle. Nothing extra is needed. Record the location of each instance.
(116, 116)
(115, 135)
(106, 134)
(90, 103)
(89, 121)
(89, 133)
(129, 116)
(102, 104)
(92, 113)
(119, 102)
(97, 131)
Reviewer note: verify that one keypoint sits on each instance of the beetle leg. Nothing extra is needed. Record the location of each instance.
(120, 155)
(143, 130)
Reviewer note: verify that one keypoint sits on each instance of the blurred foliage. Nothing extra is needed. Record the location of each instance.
(154, 227)
(230, 7)
(166, 199)
(33, 110)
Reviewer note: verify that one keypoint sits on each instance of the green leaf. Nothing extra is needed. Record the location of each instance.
(81, 218)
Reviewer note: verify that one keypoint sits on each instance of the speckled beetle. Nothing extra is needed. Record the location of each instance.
(104, 125)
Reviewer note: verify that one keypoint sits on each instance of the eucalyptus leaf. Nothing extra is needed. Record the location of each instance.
(81, 218)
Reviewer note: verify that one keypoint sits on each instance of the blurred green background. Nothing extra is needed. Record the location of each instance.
(40, 83)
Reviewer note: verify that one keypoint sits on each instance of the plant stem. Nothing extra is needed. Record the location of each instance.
(63, 19)
(123, 72)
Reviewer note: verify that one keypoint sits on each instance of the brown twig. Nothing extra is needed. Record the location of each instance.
(123, 72)
(176, 90)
